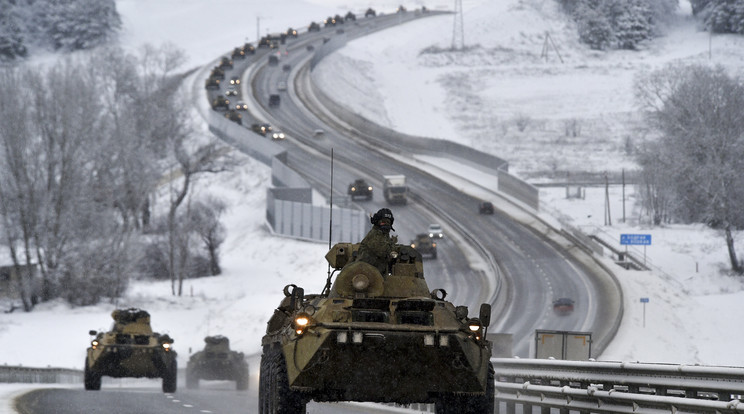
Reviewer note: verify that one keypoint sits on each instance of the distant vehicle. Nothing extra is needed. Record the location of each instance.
(234, 116)
(485, 207)
(217, 362)
(435, 231)
(241, 106)
(425, 245)
(262, 129)
(278, 135)
(231, 91)
(330, 21)
(286, 67)
(212, 83)
(221, 102)
(401, 9)
(350, 16)
(274, 100)
(226, 63)
(395, 189)
(360, 188)
(249, 48)
(318, 133)
(273, 60)
(339, 31)
(292, 32)
(281, 86)
(235, 80)
(370, 13)
(314, 27)
(338, 19)
(130, 349)
(310, 48)
(218, 72)
(326, 40)
(563, 306)
(238, 53)
(264, 42)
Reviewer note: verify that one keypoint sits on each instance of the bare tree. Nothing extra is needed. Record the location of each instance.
(697, 110)
(205, 221)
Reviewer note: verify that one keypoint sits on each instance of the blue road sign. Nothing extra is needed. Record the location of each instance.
(644, 300)
(637, 239)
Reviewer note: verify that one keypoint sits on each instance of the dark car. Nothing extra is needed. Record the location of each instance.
(563, 306)
(314, 27)
(273, 60)
(370, 13)
(485, 207)
(274, 100)
(235, 80)
(286, 67)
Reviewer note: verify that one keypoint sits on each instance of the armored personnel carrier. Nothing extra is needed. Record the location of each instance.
(360, 188)
(374, 337)
(425, 245)
(217, 362)
(130, 349)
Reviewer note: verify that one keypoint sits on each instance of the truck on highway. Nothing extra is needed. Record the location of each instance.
(395, 189)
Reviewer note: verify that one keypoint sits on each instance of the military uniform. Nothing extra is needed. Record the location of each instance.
(375, 249)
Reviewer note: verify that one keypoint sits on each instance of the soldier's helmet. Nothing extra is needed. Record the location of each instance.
(383, 219)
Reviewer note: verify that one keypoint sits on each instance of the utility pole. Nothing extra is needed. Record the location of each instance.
(258, 29)
(458, 30)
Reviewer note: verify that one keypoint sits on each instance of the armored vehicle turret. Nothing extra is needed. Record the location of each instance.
(217, 362)
(130, 349)
(376, 337)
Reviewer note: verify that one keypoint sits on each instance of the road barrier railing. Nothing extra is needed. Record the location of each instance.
(616, 387)
(29, 375)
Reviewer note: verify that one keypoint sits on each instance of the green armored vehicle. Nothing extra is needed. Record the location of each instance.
(425, 245)
(217, 362)
(130, 349)
(373, 337)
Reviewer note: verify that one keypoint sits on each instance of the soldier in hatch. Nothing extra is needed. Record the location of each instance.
(377, 245)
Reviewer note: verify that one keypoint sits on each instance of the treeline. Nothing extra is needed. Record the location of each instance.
(64, 25)
(618, 24)
(87, 148)
(691, 171)
(720, 16)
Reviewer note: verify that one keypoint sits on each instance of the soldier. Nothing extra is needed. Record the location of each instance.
(377, 245)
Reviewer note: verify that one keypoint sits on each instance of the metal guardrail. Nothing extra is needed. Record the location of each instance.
(29, 375)
(616, 387)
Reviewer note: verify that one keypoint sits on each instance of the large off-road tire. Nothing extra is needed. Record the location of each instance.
(241, 383)
(456, 404)
(170, 378)
(91, 380)
(275, 396)
(192, 380)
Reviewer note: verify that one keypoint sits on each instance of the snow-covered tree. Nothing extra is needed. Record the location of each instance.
(12, 44)
(697, 110)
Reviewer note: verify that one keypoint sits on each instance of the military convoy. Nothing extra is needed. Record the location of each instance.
(130, 349)
(217, 362)
(395, 189)
(376, 337)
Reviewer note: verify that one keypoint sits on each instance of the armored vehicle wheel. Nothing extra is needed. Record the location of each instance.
(275, 396)
(170, 378)
(241, 383)
(457, 404)
(92, 380)
(192, 380)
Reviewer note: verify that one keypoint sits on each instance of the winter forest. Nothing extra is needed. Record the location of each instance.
(98, 157)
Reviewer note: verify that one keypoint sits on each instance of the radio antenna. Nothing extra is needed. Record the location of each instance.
(327, 288)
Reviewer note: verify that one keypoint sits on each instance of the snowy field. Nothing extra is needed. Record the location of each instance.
(473, 98)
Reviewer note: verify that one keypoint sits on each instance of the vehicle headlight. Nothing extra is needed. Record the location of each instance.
(167, 346)
(301, 322)
(94, 344)
(369, 188)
